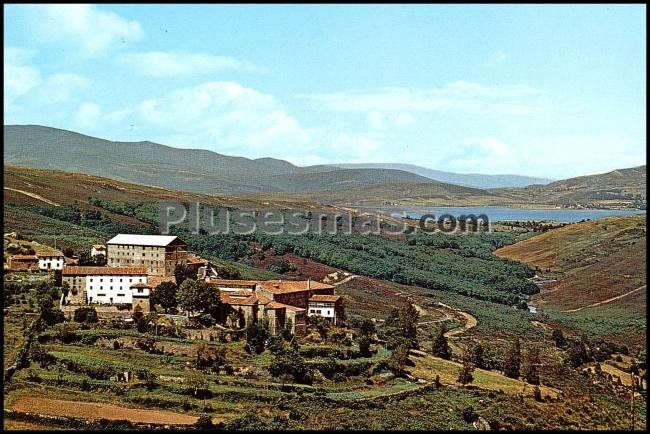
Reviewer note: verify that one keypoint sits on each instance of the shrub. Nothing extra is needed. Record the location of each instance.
(85, 315)
(468, 414)
(204, 423)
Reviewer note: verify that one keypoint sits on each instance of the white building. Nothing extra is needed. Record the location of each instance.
(98, 249)
(50, 260)
(106, 285)
(327, 306)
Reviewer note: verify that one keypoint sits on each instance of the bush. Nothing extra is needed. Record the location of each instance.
(204, 423)
(468, 414)
(85, 315)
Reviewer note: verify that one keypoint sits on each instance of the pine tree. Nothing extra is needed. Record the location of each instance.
(512, 363)
(440, 346)
(465, 376)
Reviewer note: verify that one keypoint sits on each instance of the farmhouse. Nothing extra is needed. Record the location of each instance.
(22, 262)
(105, 285)
(98, 249)
(158, 254)
(327, 306)
(50, 260)
(280, 301)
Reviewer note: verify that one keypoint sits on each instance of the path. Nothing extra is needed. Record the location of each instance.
(96, 410)
(347, 279)
(609, 300)
(33, 195)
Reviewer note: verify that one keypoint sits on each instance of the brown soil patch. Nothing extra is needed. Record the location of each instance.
(96, 410)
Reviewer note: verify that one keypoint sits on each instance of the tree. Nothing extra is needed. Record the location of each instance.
(85, 315)
(289, 362)
(165, 295)
(408, 321)
(399, 359)
(275, 344)
(440, 346)
(465, 375)
(529, 366)
(204, 423)
(321, 325)
(364, 345)
(257, 332)
(182, 272)
(198, 296)
(477, 356)
(197, 384)
(511, 365)
(558, 337)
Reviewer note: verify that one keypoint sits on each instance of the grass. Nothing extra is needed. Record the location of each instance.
(428, 367)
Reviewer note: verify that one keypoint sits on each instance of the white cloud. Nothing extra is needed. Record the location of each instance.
(552, 156)
(91, 30)
(175, 64)
(61, 87)
(20, 78)
(218, 115)
(87, 116)
(460, 95)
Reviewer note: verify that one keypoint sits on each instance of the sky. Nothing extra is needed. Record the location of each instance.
(544, 90)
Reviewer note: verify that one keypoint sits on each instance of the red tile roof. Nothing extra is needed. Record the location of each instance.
(113, 271)
(140, 285)
(157, 280)
(325, 298)
(285, 286)
(233, 282)
(24, 258)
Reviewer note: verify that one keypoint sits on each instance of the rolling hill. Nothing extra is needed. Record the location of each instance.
(476, 180)
(182, 169)
(204, 171)
(618, 188)
(601, 270)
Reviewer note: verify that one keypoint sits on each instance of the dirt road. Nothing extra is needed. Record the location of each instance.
(33, 195)
(96, 410)
(609, 300)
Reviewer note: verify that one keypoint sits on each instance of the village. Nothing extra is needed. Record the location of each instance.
(136, 264)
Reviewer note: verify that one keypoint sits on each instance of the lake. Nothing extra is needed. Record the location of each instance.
(496, 214)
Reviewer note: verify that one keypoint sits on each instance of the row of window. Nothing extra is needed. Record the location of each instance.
(132, 247)
(101, 279)
(133, 261)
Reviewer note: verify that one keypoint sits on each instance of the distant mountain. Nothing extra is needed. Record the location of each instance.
(183, 169)
(618, 188)
(203, 171)
(466, 179)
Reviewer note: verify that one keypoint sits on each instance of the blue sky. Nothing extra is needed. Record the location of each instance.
(552, 91)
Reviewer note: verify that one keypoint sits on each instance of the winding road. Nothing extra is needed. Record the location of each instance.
(609, 300)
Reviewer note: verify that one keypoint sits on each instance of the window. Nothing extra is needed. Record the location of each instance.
(120, 295)
(120, 279)
(101, 280)
(111, 280)
(91, 279)
(111, 286)
(100, 295)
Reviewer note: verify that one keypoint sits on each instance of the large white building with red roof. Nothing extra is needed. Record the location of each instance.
(105, 285)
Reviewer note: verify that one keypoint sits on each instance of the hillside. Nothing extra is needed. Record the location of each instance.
(437, 193)
(618, 188)
(601, 270)
(181, 169)
(477, 180)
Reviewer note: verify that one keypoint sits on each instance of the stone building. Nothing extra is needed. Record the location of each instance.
(158, 254)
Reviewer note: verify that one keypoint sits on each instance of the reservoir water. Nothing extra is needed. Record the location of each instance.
(509, 214)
